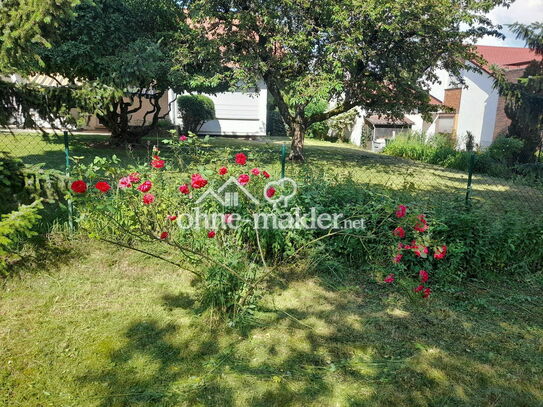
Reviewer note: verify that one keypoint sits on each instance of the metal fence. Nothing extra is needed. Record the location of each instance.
(425, 182)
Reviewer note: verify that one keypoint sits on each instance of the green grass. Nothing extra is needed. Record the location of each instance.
(427, 182)
(86, 324)
(107, 327)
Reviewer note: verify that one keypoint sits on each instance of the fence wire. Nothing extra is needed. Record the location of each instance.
(426, 182)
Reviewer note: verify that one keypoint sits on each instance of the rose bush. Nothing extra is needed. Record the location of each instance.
(416, 251)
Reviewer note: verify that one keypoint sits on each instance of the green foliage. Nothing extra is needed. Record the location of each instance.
(12, 182)
(341, 126)
(483, 245)
(505, 150)
(498, 160)
(438, 150)
(317, 130)
(373, 54)
(524, 98)
(195, 110)
(15, 227)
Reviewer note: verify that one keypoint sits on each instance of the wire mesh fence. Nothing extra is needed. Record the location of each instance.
(425, 182)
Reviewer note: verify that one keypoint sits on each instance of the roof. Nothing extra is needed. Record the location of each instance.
(435, 101)
(507, 58)
(377, 120)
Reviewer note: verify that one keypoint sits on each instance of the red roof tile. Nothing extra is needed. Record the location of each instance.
(435, 101)
(506, 57)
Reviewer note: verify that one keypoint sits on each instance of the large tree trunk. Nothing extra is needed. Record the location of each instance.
(117, 122)
(297, 128)
(297, 132)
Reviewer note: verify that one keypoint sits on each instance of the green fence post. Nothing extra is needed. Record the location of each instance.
(283, 159)
(471, 165)
(67, 172)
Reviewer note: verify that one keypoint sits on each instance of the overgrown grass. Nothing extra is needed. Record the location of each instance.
(114, 328)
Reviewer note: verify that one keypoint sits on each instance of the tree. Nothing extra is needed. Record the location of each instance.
(124, 44)
(26, 23)
(376, 54)
(524, 105)
(128, 50)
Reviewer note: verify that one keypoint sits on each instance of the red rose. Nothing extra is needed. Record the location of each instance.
(157, 162)
(172, 217)
(255, 171)
(79, 187)
(389, 279)
(223, 170)
(419, 288)
(241, 159)
(197, 181)
(423, 274)
(401, 211)
(183, 138)
(184, 189)
(102, 186)
(146, 186)
(440, 253)
(148, 199)
(164, 235)
(422, 225)
(426, 293)
(398, 258)
(265, 174)
(243, 179)
(270, 192)
(211, 234)
(134, 177)
(399, 232)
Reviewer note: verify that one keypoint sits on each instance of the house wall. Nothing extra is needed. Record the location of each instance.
(241, 113)
(355, 135)
(478, 106)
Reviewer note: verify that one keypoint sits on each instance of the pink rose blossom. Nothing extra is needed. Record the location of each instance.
(389, 279)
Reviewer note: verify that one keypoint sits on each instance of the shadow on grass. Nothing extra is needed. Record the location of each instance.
(320, 347)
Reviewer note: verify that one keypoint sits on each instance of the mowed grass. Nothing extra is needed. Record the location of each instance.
(109, 327)
(93, 325)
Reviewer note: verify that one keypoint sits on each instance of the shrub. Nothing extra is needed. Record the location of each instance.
(483, 245)
(195, 110)
(505, 150)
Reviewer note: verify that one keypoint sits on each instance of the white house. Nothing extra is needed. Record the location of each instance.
(476, 104)
(478, 107)
(240, 113)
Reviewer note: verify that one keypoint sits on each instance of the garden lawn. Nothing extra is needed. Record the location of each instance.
(429, 183)
(101, 326)
(88, 324)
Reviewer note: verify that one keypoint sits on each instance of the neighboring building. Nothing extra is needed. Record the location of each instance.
(373, 132)
(241, 113)
(478, 106)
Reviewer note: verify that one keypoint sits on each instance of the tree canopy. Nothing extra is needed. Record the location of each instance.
(377, 54)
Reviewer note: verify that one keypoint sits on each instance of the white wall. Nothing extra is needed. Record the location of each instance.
(478, 107)
(240, 113)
